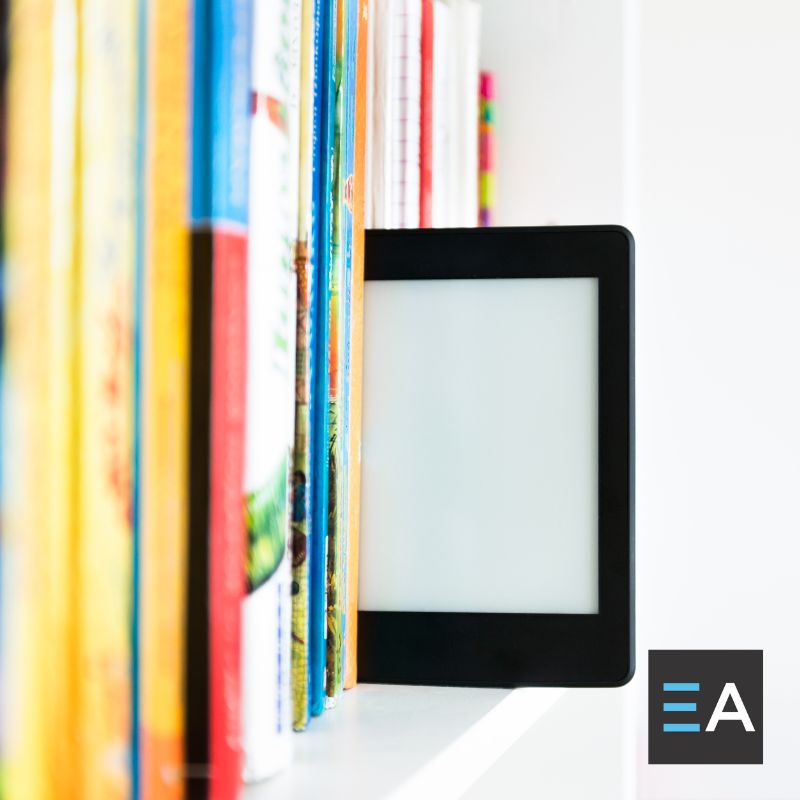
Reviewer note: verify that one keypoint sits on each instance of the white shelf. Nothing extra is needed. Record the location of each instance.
(405, 742)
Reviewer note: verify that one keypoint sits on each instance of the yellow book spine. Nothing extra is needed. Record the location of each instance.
(165, 403)
(108, 205)
(26, 627)
(61, 424)
(39, 430)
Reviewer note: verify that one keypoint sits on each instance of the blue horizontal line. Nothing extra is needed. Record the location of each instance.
(680, 706)
(681, 727)
(681, 687)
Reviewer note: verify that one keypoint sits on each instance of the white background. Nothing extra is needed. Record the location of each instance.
(681, 119)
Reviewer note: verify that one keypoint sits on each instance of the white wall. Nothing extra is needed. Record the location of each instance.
(718, 335)
(698, 148)
(559, 69)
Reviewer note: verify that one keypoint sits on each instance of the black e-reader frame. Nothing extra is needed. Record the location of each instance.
(519, 649)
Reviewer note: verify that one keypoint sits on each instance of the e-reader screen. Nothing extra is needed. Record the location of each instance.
(480, 446)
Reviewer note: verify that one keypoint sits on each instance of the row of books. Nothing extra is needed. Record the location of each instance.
(187, 185)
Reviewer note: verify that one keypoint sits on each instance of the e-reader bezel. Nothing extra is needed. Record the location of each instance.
(517, 649)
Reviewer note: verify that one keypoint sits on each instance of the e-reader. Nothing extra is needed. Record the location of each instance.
(497, 466)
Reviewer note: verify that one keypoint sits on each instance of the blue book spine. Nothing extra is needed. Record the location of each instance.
(324, 52)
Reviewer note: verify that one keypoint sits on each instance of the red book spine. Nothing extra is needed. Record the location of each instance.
(226, 528)
(426, 118)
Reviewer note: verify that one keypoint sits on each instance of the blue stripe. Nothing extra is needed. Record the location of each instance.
(201, 113)
(325, 51)
(681, 687)
(681, 727)
(680, 706)
(221, 111)
(141, 144)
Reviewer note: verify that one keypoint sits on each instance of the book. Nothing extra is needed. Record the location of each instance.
(486, 150)
(267, 708)
(218, 359)
(40, 326)
(404, 142)
(164, 402)
(356, 336)
(426, 116)
(108, 161)
(63, 426)
(335, 280)
(393, 173)
(466, 52)
(455, 109)
(338, 344)
(441, 101)
(381, 108)
(349, 79)
(302, 457)
(322, 205)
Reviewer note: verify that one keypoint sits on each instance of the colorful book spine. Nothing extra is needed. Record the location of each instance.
(108, 59)
(324, 118)
(356, 335)
(348, 143)
(426, 118)
(219, 203)
(165, 398)
(304, 397)
(486, 156)
(267, 710)
(335, 278)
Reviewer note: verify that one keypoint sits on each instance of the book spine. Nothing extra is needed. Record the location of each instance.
(356, 334)
(226, 529)
(62, 395)
(325, 45)
(442, 94)
(219, 202)
(302, 456)
(27, 612)
(231, 30)
(196, 685)
(270, 394)
(335, 271)
(405, 134)
(165, 397)
(349, 90)
(108, 231)
(426, 118)
(486, 156)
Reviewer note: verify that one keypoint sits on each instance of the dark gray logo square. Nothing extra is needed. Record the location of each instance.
(706, 707)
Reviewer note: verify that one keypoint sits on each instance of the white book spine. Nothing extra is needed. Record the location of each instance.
(406, 74)
(266, 618)
(442, 89)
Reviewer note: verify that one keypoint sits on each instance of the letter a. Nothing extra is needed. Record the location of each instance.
(741, 714)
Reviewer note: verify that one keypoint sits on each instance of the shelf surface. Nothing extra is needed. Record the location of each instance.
(403, 742)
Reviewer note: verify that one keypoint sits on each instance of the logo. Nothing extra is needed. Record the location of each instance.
(706, 707)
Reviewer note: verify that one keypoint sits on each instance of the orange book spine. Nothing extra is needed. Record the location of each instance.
(356, 352)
